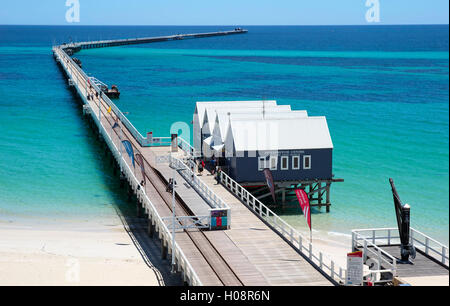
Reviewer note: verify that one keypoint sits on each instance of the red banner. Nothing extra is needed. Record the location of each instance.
(270, 184)
(304, 204)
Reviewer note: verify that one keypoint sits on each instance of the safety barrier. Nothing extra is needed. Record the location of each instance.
(165, 234)
(318, 258)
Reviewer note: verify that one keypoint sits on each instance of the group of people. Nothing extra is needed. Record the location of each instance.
(213, 165)
(91, 97)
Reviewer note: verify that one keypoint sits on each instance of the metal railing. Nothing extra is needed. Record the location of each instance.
(205, 192)
(186, 147)
(430, 246)
(377, 254)
(390, 236)
(164, 233)
(143, 141)
(304, 246)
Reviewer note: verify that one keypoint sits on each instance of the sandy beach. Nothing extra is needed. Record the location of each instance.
(41, 252)
(72, 254)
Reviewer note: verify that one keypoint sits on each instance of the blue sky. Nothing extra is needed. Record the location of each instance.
(229, 12)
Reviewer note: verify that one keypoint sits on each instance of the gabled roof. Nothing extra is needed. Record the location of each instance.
(254, 112)
(200, 107)
(224, 118)
(283, 134)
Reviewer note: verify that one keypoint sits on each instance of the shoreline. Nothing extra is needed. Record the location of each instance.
(44, 251)
(71, 254)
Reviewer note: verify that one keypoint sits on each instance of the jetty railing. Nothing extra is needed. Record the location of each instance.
(216, 203)
(164, 233)
(385, 262)
(143, 141)
(301, 244)
(390, 236)
(142, 40)
(186, 147)
(213, 199)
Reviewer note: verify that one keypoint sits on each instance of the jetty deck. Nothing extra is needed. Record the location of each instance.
(249, 253)
(75, 47)
(381, 246)
(423, 270)
(280, 264)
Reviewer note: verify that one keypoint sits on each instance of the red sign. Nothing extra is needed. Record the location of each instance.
(269, 180)
(304, 204)
(355, 254)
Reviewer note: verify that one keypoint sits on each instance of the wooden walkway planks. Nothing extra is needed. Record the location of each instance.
(278, 262)
(195, 202)
(421, 265)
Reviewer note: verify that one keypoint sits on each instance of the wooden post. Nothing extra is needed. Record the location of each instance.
(151, 228)
(138, 208)
(130, 192)
(328, 196)
(122, 180)
(319, 195)
(163, 250)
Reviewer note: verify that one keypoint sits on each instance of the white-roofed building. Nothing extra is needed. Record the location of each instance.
(249, 137)
(223, 120)
(293, 149)
(200, 111)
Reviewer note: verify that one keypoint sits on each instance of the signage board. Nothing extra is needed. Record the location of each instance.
(354, 269)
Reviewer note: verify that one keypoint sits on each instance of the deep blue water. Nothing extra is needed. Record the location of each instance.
(383, 89)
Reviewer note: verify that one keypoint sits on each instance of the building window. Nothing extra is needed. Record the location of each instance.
(307, 162)
(273, 162)
(284, 162)
(261, 163)
(295, 162)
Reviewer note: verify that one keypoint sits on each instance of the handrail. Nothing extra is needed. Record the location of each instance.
(163, 229)
(419, 240)
(143, 141)
(213, 199)
(186, 147)
(378, 253)
(318, 258)
(442, 252)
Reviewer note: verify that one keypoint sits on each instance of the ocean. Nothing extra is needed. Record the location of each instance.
(383, 89)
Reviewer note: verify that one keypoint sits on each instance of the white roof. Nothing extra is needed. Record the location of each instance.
(224, 118)
(211, 113)
(283, 134)
(201, 106)
(208, 140)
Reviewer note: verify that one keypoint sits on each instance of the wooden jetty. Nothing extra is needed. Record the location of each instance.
(258, 247)
(75, 47)
(381, 248)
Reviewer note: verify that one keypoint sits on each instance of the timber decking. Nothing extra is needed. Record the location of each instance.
(276, 260)
(422, 265)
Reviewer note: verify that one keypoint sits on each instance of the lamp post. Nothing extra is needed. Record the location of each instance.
(173, 217)
(174, 169)
(121, 137)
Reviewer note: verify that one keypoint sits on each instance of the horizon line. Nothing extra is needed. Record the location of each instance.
(228, 25)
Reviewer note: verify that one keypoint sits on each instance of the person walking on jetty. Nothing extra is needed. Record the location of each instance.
(213, 165)
(201, 166)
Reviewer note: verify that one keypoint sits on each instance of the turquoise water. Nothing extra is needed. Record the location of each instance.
(386, 103)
